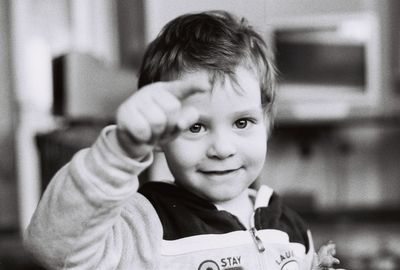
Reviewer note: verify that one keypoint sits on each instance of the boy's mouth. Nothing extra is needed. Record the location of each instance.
(220, 172)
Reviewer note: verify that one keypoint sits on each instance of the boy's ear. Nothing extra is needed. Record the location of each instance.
(267, 123)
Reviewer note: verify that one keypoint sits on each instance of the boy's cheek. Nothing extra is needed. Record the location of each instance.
(256, 149)
(258, 139)
(182, 153)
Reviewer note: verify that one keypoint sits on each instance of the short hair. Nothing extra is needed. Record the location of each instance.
(215, 41)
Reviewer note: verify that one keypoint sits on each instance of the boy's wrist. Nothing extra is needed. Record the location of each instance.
(133, 150)
(107, 152)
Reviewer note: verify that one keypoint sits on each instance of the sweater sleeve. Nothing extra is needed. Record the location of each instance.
(91, 217)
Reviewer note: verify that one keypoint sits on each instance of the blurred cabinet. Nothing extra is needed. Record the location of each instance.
(342, 164)
(343, 178)
(8, 109)
(56, 148)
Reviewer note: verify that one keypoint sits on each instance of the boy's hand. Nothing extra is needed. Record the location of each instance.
(155, 115)
(324, 259)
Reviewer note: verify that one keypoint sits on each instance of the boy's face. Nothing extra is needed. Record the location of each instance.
(221, 155)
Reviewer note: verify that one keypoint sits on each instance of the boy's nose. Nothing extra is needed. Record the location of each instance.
(221, 146)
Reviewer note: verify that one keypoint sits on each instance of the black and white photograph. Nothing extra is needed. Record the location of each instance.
(200, 134)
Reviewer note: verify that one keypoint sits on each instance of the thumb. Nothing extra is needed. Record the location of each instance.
(188, 116)
(181, 89)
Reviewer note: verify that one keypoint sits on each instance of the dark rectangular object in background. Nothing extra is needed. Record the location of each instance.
(85, 87)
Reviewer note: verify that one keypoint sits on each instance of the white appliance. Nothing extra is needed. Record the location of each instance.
(329, 65)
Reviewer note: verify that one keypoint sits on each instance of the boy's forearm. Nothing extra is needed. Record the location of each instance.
(83, 202)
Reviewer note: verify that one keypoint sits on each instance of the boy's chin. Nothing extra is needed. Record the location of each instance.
(216, 193)
(220, 196)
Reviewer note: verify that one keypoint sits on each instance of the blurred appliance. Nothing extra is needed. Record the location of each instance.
(86, 88)
(329, 65)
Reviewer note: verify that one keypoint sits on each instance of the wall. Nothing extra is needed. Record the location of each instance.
(276, 8)
(159, 12)
(8, 201)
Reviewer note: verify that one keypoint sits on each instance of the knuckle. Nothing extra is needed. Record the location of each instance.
(158, 124)
(168, 103)
(156, 87)
(142, 134)
(173, 105)
(121, 115)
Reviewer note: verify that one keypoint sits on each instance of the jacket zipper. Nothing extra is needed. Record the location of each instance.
(259, 244)
(257, 240)
(253, 232)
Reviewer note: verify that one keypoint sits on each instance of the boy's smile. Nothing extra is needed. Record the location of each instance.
(220, 155)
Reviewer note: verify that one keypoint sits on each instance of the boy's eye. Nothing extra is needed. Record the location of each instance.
(196, 128)
(241, 123)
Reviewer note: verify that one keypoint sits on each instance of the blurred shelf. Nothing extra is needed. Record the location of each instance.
(375, 215)
(290, 122)
(57, 147)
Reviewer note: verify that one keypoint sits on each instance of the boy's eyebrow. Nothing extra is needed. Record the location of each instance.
(246, 112)
(252, 111)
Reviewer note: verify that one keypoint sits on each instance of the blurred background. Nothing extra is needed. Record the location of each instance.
(65, 65)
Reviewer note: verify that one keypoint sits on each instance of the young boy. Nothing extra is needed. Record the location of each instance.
(206, 99)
